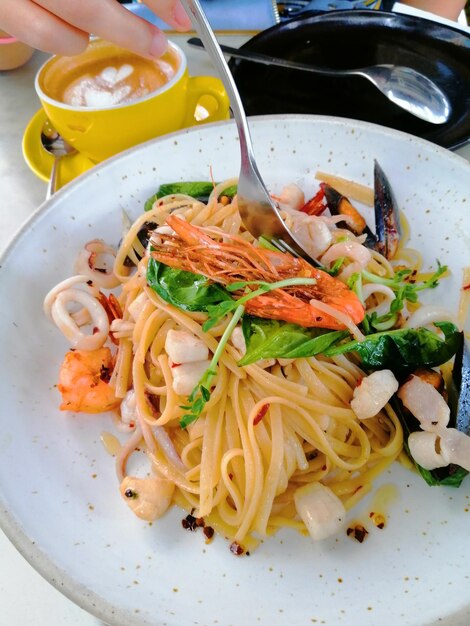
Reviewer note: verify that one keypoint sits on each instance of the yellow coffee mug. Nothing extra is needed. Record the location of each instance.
(105, 126)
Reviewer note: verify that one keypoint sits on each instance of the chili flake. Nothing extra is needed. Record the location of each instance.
(357, 532)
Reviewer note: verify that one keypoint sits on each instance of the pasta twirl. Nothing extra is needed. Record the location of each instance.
(266, 429)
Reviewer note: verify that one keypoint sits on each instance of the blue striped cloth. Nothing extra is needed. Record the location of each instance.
(336, 5)
(236, 15)
(256, 15)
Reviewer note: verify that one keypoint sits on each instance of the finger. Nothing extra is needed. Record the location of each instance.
(171, 12)
(109, 20)
(40, 29)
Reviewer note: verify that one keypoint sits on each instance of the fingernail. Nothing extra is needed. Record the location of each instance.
(159, 45)
(181, 17)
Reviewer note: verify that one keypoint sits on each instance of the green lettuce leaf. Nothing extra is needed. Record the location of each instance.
(185, 290)
(404, 349)
(199, 190)
(277, 339)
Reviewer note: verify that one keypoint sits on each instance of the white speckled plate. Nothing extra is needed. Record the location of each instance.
(59, 497)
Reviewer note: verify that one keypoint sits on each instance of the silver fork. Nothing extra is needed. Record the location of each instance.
(260, 215)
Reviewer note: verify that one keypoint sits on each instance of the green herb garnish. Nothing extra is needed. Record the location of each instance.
(201, 393)
(405, 291)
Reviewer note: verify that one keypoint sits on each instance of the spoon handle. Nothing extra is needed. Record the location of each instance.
(265, 59)
(405, 87)
(212, 46)
(52, 184)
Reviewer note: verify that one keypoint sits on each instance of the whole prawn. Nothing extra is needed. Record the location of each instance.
(234, 259)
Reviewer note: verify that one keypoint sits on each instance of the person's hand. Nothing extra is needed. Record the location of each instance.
(63, 26)
(445, 8)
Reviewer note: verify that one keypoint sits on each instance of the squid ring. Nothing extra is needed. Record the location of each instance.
(86, 264)
(65, 284)
(67, 325)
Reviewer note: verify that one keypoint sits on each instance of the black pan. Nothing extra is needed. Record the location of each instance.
(348, 39)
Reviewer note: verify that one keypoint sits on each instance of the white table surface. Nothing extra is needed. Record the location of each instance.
(26, 599)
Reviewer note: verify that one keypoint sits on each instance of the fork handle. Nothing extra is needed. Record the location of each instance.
(205, 32)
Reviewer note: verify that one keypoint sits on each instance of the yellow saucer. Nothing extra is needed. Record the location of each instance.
(40, 161)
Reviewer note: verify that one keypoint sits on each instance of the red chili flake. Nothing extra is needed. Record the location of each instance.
(318, 319)
(323, 469)
(208, 532)
(95, 330)
(357, 532)
(357, 489)
(359, 382)
(200, 522)
(236, 548)
(230, 476)
(89, 283)
(175, 365)
(261, 413)
(465, 287)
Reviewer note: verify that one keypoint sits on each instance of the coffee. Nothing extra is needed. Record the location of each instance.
(107, 76)
(107, 99)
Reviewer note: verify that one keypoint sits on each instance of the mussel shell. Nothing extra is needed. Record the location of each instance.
(461, 380)
(387, 218)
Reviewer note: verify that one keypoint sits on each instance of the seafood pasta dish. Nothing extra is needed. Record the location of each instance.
(265, 391)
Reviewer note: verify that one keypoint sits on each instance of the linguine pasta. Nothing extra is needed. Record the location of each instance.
(268, 429)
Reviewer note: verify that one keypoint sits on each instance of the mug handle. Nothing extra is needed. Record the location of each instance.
(208, 92)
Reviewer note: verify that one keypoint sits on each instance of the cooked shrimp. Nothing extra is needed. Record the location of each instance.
(234, 259)
(83, 381)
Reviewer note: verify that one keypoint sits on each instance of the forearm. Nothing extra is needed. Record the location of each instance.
(445, 8)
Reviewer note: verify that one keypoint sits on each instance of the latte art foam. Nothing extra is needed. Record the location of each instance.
(115, 85)
(106, 89)
(105, 76)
